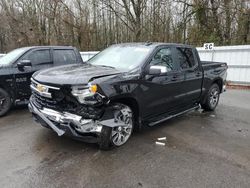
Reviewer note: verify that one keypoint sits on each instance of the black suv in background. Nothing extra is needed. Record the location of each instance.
(123, 87)
(17, 67)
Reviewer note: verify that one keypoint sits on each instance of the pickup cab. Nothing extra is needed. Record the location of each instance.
(123, 88)
(17, 67)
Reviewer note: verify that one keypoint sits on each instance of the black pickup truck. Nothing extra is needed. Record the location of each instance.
(17, 67)
(124, 87)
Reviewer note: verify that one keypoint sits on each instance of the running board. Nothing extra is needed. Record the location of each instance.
(172, 116)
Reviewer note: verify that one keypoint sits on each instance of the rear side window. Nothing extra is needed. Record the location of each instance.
(186, 58)
(62, 57)
(38, 57)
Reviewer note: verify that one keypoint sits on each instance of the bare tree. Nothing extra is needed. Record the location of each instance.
(95, 24)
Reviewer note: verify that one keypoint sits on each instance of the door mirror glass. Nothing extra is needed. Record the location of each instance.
(24, 63)
(157, 70)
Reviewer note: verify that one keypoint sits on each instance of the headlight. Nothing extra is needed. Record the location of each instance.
(81, 93)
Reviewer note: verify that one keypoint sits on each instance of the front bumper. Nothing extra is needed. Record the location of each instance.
(64, 123)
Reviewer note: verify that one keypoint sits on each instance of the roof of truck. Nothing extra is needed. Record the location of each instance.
(153, 44)
(58, 47)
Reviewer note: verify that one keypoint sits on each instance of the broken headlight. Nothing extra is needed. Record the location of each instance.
(82, 93)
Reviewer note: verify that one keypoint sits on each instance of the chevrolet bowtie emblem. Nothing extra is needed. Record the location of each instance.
(41, 88)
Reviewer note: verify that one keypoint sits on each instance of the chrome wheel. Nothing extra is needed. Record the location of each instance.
(124, 120)
(214, 97)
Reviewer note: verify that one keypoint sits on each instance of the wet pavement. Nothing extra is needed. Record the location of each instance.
(202, 150)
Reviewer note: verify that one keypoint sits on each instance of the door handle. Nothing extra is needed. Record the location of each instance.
(174, 78)
(198, 74)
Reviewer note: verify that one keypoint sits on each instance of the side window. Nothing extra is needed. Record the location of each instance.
(62, 57)
(38, 57)
(163, 57)
(186, 58)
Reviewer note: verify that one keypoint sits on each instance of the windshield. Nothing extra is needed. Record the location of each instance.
(121, 57)
(11, 56)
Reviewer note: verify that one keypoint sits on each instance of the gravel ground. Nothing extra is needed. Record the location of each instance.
(202, 150)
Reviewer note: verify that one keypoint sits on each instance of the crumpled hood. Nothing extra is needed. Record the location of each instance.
(73, 74)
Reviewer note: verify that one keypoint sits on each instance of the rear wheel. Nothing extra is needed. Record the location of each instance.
(212, 98)
(120, 134)
(5, 102)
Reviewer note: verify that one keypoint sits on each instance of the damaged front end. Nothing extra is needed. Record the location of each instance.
(74, 111)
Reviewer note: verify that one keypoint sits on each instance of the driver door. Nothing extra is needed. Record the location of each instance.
(164, 93)
(39, 59)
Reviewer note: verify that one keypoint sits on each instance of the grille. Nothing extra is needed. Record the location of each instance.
(41, 101)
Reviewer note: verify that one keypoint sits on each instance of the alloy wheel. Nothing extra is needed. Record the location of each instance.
(214, 97)
(121, 133)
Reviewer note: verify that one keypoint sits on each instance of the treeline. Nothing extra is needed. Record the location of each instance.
(95, 24)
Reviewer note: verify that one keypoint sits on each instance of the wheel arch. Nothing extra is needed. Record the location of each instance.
(219, 82)
(11, 93)
(133, 104)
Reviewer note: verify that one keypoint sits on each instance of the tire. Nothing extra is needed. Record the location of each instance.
(117, 136)
(5, 102)
(212, 98)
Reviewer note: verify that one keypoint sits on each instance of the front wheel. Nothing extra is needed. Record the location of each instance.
(120, 134)
(5, 102)
(212, 98)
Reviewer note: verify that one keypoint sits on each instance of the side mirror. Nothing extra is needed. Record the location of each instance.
(24, 63)
(157, 70)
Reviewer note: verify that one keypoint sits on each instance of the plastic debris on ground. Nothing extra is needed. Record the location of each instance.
(160, 143)
(162, 138)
